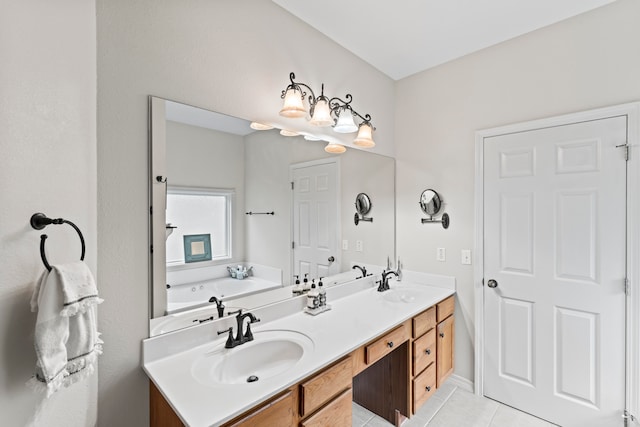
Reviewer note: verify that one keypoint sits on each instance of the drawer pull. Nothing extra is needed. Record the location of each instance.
(390, 344)
(428, 388)
(428, 351)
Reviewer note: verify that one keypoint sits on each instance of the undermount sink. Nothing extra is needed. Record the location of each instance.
(271, 353)
(402, 294)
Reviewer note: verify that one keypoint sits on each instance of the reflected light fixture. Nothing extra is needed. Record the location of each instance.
(260, 126)
(334, 148)
(286, 132)
(325, 111)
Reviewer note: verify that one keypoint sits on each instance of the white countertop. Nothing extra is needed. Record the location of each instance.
(353, 321)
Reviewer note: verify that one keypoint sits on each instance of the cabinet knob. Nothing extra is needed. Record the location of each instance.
(390, 344)
(428, 388)
(428, 351)
(441, 334)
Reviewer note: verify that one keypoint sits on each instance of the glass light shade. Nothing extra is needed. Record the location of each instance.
(335, 148)
(293, 106)
(321, 114)
(364, 138)
(345, 123)
(285, 132)
(260, 126)
(311, 138)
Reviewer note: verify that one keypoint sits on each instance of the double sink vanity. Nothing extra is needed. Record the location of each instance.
(387, 351)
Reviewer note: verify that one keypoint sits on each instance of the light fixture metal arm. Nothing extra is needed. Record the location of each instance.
(297, 86)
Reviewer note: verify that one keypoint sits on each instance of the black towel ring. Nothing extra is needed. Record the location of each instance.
(39, 221)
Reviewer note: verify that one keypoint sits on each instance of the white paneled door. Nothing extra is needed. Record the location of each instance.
(554, 272)
(315, 219)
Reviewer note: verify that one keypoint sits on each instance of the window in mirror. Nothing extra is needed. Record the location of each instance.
(198, 212)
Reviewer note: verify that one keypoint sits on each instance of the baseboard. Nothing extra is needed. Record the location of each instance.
(461, 382)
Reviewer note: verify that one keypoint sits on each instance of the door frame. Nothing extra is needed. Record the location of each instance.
(338, 228)
(632, 346)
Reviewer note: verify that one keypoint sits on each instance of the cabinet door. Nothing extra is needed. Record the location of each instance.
(444, 349)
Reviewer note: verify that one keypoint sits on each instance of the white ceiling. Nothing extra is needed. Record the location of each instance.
(403, 37)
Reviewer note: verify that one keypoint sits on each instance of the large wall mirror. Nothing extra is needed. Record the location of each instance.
(238, 215)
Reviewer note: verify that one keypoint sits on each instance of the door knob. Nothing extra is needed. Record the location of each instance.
(331, 259)
(492, 283)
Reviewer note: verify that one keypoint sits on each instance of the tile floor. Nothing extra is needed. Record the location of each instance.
(451, 406)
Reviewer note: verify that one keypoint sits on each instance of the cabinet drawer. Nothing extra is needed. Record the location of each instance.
(277, 412)
(424, 385)
(445, 308)
(335, 414)
(385, 345)
(423, 322)
(322, 387)
(424, 351)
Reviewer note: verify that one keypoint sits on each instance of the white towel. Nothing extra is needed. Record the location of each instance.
(67, 341)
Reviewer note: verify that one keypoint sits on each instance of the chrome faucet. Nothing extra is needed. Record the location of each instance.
(383, 283)
(219, 306)
(241, 337)
(363, 270)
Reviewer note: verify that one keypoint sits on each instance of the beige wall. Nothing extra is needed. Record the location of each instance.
(586, 62)
(47, 164)
(228, 56)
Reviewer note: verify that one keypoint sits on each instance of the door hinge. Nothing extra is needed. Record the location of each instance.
(293, 245)
(150, 210)
(292, 185)
(151, 248)
(626, 286)
(626, 150)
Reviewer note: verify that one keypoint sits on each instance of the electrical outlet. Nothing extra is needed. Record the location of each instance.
(358, 245)
(441, 254)
(465, 256)
(345, 245)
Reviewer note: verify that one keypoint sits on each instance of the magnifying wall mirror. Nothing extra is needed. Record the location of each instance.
(363, 206)
(431, 204)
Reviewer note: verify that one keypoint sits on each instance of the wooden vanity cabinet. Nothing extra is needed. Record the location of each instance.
(394, 374)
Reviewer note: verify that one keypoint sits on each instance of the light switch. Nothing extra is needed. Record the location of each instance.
(441, 254)
(465, 256)
(358, 245)
(345, 245)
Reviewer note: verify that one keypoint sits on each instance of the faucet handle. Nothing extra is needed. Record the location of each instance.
(230, 341)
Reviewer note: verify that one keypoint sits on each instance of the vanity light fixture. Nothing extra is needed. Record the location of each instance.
(325, 111)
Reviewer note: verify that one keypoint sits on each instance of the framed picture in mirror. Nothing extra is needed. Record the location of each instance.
(197, 247)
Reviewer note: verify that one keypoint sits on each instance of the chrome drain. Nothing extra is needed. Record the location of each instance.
(252, 379)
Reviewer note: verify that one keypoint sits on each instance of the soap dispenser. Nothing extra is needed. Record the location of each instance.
(322, 294)
(305, 283)
(297, 289)
(312, 296)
